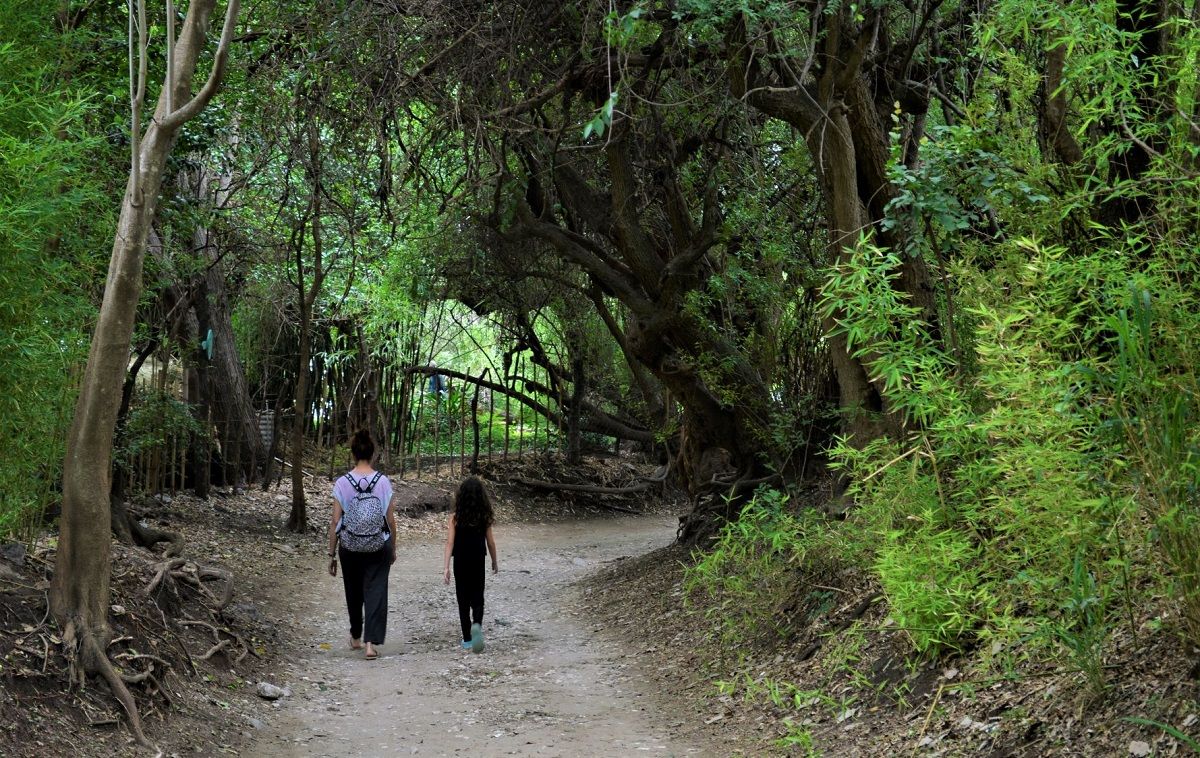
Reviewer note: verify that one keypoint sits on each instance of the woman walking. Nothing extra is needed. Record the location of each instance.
(469, 541)
(362, 535)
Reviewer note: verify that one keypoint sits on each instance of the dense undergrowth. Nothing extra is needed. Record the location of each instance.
(1043, 498)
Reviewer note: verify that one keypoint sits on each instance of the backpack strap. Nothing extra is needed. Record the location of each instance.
(370, 485)
(373, 482)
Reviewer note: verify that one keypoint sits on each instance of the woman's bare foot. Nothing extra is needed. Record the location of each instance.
(372, 653)
(355, 644)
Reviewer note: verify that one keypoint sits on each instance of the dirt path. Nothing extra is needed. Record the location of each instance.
(549, 682)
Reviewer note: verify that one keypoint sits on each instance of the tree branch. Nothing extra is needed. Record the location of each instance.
(176, 118)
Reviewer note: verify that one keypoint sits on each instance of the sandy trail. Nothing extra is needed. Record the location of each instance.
(549, 684)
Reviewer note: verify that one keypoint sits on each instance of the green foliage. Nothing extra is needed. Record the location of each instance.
(53, 222)
(931, 583)
(1067, 403)
(603, 118)
(1191, 742)
(977, 519)
(1082, 627)
(755, 567)
(155, 419)
(1152, 388)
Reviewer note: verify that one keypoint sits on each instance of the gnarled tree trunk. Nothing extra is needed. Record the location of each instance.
(848, 141)
(228, 394)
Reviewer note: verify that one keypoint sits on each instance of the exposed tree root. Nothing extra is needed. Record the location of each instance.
(192, 573)
(86, 656)
(222, 644)
(130, 531)
(587, 488)
(718, 501)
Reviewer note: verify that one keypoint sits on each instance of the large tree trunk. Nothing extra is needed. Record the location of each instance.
(653, 273)
(848, 143)
(229, 395)
(79, 595)
(861, 401)
(198, 325)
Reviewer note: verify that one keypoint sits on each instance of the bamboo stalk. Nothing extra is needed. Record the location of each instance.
(521, 419)
(405, 404)
(533, 371)
(562, 414)
(331, 421)
(417, 424)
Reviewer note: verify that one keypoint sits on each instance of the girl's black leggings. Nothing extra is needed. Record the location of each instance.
(468, 588)
(365, 578)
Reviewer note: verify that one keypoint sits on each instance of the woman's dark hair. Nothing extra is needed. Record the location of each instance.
(472, 508)
(362, 446)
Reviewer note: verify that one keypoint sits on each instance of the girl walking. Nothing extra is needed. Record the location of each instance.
(469, 541)
(362, 531)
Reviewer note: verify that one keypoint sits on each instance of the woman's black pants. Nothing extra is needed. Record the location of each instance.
(468, 587)
(365, 577)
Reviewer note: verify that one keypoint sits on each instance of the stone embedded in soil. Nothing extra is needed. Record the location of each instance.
(1139, 748)
(269, 691)
(245, 612)
(13, 552)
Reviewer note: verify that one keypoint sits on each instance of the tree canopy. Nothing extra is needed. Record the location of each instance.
(912, 281)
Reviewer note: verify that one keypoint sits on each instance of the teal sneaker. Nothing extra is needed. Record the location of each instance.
(466, 644)
(476, 643)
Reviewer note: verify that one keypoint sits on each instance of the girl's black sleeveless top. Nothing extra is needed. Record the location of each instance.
(469, 542)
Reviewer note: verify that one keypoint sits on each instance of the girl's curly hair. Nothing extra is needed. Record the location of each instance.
(472, 508)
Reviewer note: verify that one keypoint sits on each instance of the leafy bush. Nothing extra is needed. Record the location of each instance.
(756, 568)
(155, 419)
(978, 515)
(931, 582)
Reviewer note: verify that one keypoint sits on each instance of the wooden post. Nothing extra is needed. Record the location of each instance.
(475, 423)
(417, 436)
(508, 380)
(402, 411)
(462, 430)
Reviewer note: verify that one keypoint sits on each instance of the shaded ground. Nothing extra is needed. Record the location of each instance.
(592, 651)
(841, 682)
(551, 681)
(548, 684)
